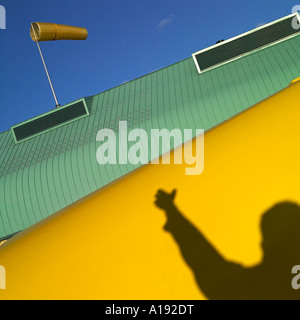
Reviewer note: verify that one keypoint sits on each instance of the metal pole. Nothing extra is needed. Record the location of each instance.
(57, 104)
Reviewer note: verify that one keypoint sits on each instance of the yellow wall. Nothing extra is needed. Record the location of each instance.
(111, 245)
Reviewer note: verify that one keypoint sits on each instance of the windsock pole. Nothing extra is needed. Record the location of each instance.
(37, 42)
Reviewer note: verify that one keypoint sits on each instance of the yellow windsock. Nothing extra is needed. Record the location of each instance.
(41, 31)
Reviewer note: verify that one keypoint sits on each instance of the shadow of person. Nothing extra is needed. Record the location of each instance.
(224, 280)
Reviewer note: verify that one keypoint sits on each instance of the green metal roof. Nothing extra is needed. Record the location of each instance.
(48, 172)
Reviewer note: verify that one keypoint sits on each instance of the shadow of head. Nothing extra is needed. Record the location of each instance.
(280, 228)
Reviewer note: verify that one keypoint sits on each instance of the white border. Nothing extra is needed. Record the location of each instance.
(239, 36)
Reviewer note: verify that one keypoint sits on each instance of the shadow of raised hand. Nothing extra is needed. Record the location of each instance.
(219, 278)
(165, 200)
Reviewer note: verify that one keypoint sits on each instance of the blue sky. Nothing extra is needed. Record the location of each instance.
(127, 39)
